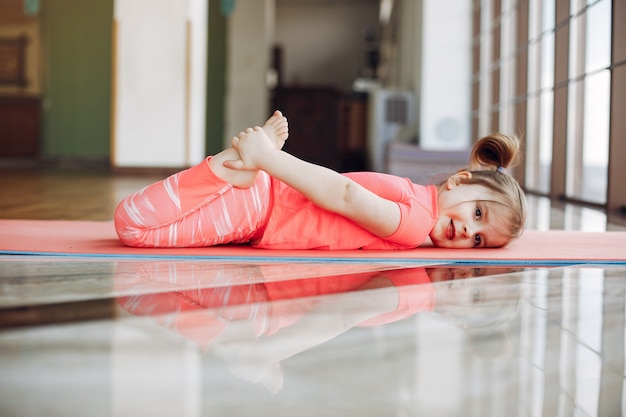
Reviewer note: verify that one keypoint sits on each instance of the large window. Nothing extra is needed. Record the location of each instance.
(588, 105)
(546, 70)
(540, 95)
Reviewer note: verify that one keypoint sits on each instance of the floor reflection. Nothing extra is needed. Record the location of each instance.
(253, 327)
(195, 338)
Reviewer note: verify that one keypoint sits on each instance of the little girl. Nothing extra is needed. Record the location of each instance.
(255, 193)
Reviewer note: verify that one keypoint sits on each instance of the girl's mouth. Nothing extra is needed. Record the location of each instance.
(450, 231)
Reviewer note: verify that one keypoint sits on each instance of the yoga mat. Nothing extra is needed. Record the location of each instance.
(98, 239)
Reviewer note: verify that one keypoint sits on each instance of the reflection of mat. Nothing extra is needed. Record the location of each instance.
(87, 238)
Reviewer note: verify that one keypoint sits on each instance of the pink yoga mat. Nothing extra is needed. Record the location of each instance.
(89, 238)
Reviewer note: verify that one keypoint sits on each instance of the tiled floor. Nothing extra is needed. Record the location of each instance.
(121, 337)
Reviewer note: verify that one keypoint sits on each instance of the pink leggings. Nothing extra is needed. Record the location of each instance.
(193, 208)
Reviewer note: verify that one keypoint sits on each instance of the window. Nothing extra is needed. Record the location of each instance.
(540, 95)
(588, 104)
(543, 69)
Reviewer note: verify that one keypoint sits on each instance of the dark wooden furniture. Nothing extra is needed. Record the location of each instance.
(19, 126)
(13, 61)
(326, 127)
(312, 116)
(352, 131)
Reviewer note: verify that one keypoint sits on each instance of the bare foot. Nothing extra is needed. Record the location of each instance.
(277, 129)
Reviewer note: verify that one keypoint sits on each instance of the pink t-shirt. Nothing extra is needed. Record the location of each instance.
(296, 223)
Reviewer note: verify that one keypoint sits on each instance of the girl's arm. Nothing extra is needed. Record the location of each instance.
(324, 187)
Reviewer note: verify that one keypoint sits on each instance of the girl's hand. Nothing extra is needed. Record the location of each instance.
(255, 150)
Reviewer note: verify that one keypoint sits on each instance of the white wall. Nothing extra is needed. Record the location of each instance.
(445, 90)
(159, 94)
(323, 41)
(197, 14)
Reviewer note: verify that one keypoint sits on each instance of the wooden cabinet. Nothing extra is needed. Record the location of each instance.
(312, 116)
(352, 132)
(20, 120)
(326, 127)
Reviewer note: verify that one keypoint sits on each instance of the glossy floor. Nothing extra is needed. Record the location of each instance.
(122, 337)
(84, 337)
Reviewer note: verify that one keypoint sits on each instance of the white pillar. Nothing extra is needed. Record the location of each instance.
(445, 92)
(159, 82)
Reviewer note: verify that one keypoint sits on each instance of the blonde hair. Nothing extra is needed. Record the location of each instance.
(490, 157)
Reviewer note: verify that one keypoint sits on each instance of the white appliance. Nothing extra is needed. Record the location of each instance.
(391, 116)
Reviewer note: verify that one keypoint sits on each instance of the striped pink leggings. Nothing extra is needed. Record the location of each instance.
(193, 208)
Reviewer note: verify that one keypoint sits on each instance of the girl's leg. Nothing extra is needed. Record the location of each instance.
(205, 205)
(193, 208)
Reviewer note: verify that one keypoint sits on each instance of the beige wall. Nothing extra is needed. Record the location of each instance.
(323, 45)
(249, 42)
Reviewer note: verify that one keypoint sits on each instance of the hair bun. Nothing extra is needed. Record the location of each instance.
(494, 151)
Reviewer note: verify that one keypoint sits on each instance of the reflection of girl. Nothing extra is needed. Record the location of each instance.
(254, 325)
(269, 305)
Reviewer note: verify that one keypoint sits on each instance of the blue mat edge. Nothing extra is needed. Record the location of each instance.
(329, 259)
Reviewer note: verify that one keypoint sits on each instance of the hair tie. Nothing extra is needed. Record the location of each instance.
(501, 170)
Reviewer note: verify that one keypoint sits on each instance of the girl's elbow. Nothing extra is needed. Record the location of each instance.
(348, 200)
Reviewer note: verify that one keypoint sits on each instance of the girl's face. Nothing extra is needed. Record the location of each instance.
(464, 219)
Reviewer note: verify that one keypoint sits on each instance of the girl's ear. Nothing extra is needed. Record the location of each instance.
(457, 179)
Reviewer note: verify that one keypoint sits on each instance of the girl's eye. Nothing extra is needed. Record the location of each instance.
(477, 240)
(479, 213)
